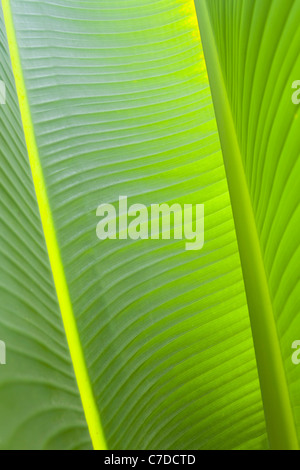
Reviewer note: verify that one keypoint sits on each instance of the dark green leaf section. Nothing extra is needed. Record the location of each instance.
(258, 49)
(121, 106)
(40, 407)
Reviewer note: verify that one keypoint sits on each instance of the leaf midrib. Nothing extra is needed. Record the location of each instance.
(277, 405)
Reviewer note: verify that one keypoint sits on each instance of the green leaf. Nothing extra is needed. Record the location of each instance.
(253, 58)
(140, 342)
(40, 405)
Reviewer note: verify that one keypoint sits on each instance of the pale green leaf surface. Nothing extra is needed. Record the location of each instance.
(40, 407)
(121, 105)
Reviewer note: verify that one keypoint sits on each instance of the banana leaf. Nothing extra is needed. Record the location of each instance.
(142, 344)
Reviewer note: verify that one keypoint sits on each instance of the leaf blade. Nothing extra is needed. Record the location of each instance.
(39, 402)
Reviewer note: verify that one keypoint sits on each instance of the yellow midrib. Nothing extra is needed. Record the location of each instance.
(84, 384)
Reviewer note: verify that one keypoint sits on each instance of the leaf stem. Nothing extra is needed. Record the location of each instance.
(277, 405)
